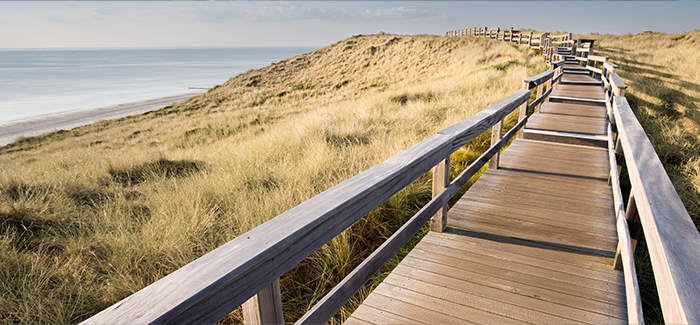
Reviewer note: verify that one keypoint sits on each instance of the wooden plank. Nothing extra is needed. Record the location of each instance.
(671, 235)
(573, 110)
(547, 213)
(531, 254)
(589, 222)
(530, 228)
(472, 300)
(558, 238)
(574, 124)
(532, 308)
(608, 292)
(412, 311)
(365, 314)
(603, 311)
(447, 307)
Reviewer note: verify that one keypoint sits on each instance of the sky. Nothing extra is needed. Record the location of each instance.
(101, 24)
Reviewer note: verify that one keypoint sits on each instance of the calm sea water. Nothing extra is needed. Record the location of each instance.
(37, 83)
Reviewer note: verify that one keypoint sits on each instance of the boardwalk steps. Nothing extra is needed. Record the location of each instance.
(543, 236)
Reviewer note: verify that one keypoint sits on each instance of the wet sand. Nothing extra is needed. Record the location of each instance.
(66, 121)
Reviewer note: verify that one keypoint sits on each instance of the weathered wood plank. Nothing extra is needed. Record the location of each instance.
(573, 110)
(447, 307)
(563, 282)
(671, 235)
(412, 311)
(522, 252)
(479, 302)
(367, 314)
(603, 311)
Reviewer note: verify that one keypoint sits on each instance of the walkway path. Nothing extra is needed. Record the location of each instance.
(530, 242)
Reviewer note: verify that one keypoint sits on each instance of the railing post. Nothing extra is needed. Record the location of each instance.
(441, 178)
(496, 134)
(539, 94)
(632, 215)
(265, 307)
(523, 109)
(635, 228)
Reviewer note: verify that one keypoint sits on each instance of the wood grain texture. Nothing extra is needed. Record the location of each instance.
(441, 177)
(671, 235)
(496, 133)
(265, 307)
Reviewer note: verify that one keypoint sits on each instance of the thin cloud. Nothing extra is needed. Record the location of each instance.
(405, 13)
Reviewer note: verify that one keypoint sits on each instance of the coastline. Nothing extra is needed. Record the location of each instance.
(66, 121)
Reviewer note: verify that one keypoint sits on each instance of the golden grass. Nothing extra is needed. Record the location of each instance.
(663, 79)
(91, 215)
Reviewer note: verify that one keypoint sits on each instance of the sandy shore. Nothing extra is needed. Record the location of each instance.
(66, 121)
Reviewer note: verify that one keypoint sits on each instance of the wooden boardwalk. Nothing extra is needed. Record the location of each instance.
(530, 242)
(537, 239)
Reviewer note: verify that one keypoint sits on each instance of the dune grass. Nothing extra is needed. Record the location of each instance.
(663, 79)
(91, 215)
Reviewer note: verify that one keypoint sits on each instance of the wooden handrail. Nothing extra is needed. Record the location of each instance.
(539, 79)
(207, 289)
(671, 235)
(334, 300)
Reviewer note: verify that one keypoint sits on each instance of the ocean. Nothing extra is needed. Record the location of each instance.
(36, 83)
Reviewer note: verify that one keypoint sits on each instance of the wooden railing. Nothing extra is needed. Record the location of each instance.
(247, 269)
(549, 45)
(653, 207)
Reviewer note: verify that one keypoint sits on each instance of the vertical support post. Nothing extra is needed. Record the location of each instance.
(265, 307)
(523, 110)
(496, 134)
(441, 178)
(635, 228)
(539, 94)
(635, 225)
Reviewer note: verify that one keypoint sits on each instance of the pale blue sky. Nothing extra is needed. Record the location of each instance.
(313, 23)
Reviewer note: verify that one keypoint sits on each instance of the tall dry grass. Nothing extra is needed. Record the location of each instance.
(663, 79)
(92, 215)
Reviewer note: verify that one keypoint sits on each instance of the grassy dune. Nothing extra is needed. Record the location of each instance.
(91, 215)
(663, 79)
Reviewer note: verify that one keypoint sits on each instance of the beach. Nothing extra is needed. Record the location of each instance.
(66, 121)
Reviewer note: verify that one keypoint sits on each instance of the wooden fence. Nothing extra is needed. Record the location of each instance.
(653, 206)
(246, 270)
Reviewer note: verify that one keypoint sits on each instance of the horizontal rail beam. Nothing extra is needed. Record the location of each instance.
(539, 79)
(539, 100)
